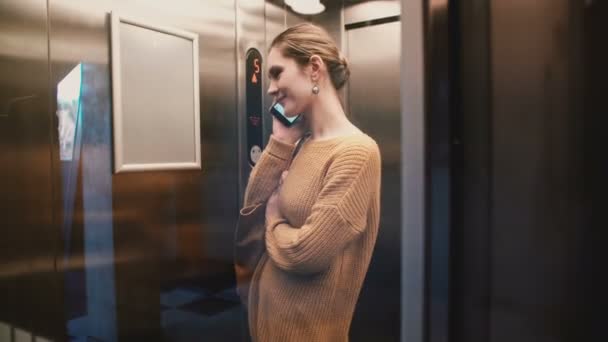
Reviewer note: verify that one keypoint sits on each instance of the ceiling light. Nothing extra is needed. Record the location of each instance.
(307, 7)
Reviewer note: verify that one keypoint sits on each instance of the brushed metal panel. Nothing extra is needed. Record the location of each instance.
(413, 161)
(28, 279)
(171, 228)
(373, 96)
(332, 20)
(357, 11)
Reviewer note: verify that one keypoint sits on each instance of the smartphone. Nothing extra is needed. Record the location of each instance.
(279, 112)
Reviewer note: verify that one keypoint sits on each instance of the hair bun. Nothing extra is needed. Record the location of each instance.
(341, 73)
(344, 61)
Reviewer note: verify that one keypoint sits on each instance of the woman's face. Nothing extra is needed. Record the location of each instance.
(290, 83)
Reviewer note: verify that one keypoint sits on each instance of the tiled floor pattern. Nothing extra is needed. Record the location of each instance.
(188, 313)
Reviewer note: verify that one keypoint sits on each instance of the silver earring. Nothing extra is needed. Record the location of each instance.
(315, 89)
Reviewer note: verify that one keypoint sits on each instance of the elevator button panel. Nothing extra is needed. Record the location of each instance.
(253, 96)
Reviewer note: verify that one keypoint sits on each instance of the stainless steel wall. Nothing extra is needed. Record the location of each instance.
(373, 97)
(131, 236)
(30, 289)
(166, 228)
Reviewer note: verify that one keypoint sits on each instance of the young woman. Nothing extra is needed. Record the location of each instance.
(322, 207)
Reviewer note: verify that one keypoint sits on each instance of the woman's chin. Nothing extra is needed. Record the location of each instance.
(291, 112)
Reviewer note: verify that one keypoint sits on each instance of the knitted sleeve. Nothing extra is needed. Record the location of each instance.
(264, 177)
(338, 216)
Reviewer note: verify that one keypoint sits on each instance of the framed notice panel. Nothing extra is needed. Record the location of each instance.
(155, 94)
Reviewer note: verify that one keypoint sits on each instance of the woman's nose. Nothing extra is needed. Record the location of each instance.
(272, 89)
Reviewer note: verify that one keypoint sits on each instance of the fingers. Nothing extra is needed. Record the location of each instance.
(273, 197)
(275, 193)
(283, 177)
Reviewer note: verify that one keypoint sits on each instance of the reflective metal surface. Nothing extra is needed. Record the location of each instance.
(413, 171)
(373, 97)
(356, 11)
(30, 289)
(163, 239)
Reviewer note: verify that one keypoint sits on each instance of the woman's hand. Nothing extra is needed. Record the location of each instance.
(286, 134)
(272, 207)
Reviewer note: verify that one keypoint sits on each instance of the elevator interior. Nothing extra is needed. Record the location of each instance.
(92, 254)
(509, 150)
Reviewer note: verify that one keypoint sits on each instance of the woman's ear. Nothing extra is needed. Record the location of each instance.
(316, 65)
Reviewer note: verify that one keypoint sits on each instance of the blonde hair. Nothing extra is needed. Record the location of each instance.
(302, 41)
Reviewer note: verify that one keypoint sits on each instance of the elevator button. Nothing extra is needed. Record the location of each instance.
(255, 153)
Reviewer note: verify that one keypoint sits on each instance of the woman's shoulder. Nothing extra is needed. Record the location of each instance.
(355, 149)
(359, 142)
(357, 146)
(355, 153)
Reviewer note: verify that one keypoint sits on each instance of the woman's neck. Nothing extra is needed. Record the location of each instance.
(327, 118)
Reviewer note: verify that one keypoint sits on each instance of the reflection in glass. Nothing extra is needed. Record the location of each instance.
(83, 112)
(68, 105)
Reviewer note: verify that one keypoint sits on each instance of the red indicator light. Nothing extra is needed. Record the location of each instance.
(256, 70)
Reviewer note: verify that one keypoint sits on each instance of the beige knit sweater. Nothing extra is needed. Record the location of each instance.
(318, 251)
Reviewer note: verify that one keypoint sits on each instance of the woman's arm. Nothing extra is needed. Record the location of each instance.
(338, 216)
(264, 177)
